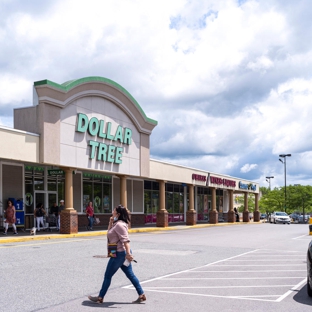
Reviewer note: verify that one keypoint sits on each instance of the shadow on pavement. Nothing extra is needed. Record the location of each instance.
(302, 296)
(89, 303)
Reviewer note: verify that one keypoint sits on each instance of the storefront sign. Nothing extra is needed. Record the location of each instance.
(198, 177)
(225, 182)
(97, 128)
(245, 186)
(55, 172)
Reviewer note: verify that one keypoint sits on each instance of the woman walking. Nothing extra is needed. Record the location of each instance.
(10, 218)
(118, 233)
(90, 216)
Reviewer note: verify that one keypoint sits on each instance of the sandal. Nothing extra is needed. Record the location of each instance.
(96, 299)
(140, 299)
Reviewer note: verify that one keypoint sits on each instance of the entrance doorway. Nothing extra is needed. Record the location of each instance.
(47, 199)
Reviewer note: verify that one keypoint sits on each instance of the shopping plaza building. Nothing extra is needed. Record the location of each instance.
(89, 140)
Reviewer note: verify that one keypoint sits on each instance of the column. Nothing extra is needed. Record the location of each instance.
(123, 195)
(213, 214)
(162, 213)
(123, 190)
(256, 212)
(69, 216)
(246, 212)
(191, 213)
(231, 214)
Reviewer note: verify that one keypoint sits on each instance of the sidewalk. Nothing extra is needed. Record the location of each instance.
(42, 235)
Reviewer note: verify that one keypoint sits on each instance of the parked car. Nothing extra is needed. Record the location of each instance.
(309, 270)
(263, 216)
(294, 217)
(279, 217)
(306, 218)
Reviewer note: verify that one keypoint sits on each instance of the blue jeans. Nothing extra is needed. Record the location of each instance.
(91, 219)
(112, 267)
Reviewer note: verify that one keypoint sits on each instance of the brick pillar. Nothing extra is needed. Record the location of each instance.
(256, 212)
(162, 213)
(69, 221)
(231, 214)
(69, 216)
(213, 214)
(191, 213)
(246, 211)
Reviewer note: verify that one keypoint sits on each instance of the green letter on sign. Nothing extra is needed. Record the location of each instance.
(93, 145)
(128, 134)
(93, 126)
(82, 122)
(118, 155)
(102, 150)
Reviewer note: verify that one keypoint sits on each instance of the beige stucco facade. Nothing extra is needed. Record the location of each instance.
(19, 145)
(93, 126)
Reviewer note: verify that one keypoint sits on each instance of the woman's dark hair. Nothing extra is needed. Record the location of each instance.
(10, 201)
(39, 205)
(123, 213)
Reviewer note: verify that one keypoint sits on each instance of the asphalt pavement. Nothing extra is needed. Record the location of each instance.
(228, 267)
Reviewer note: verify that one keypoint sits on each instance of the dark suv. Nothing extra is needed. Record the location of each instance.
(309, 270)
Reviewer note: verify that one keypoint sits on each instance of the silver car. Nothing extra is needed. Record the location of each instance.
(280, 217)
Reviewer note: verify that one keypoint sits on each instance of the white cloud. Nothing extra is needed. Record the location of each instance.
(248, 167)
(229, 84)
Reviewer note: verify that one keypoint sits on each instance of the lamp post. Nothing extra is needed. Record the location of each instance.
(284, 162)
(269, 178)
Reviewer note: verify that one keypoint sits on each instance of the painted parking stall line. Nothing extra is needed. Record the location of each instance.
(247, 276)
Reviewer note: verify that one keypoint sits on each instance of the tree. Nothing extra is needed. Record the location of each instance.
(272, 201)
(251, 202)
(299, 199)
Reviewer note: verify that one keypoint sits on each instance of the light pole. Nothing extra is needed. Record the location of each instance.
(284, 162)
(269, 178)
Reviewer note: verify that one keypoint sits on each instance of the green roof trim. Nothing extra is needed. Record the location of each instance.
(66, 86)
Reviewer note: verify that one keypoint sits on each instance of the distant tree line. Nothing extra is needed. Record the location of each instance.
(298, 199)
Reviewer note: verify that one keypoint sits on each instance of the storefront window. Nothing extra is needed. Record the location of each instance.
(98, 189)
(203, 203)
(175, 202)
(52, 183)
(151, 201)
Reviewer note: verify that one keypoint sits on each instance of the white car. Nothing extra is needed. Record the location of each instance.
(280, 217)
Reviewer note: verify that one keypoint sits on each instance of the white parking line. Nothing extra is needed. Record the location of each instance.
(291, 290)
(216, 287)
(221, 263)
(267, 260)
(256, 265)
(212, 263)
(228, 278)
(256, 271)
(300, 236)
(217, 296)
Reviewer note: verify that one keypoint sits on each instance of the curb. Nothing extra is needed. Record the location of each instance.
(99, 233)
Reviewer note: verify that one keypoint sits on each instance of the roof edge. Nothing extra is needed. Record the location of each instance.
(68, 85)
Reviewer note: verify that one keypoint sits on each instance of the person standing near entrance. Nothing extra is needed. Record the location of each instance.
(61, 207)
(90, 215)
(39, 213)
(10, 217)
(55, 211)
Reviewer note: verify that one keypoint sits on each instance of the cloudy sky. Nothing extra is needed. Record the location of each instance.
(229, 81)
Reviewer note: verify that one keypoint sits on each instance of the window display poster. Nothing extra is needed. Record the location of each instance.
(86, 199)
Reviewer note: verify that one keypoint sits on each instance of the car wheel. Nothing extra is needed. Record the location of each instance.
(309, 289)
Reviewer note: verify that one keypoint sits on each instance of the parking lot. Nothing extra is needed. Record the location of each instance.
(262, 275)
(240, 267)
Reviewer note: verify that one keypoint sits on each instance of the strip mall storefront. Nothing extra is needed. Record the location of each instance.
(89, 140)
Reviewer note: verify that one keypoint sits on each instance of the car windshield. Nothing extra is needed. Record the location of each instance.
(281, 214)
